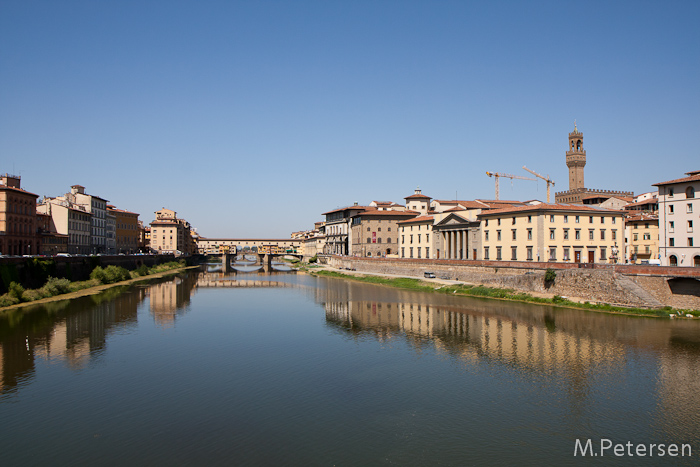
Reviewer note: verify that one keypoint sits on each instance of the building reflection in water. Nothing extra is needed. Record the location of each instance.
(169, 299)
(573, 344)
(74, 336)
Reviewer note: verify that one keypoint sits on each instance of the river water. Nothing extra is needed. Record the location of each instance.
(280, 368)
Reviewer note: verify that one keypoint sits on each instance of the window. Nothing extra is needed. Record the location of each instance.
(602, 234)
(410, 251)
(411, 236)
(551, 234)
(388, 240)
(369, 240)
(566, 254)
(514, 221)
(498, 235)
(389, 229)
(529, 234)
(514, 234)
(487, 223)
(486, 235)
(427, 237)
(671, 242)
(603, 254)
(552, 254)
(634, 237)
(403, 239)
(566, 219)
(498, 253)
(419, 240)
(551, 218)
(529, 219)
(590, 234)
(427, 252)
(670, 208)
(513, 253)
(690, 226)
(529, 253)
(499, 221)
(590, 219)
(379, 240)
(647, 236)
(577, 235)
(418, 251)
(671, 225)
(613, 220)
(379, 229)
(566, 234)
(670, 192)
(689, 208)
(403, 251)
(690, 192)
(646, 225)
(486, 253)
(690, 241)
(577, 219)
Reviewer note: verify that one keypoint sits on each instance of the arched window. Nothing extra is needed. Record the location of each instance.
(672, 260)
(690, 192)
(696, 261)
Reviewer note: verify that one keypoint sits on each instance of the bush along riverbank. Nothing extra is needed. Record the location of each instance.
(99, 276)
(506, 294)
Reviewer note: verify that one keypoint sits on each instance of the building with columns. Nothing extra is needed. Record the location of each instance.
(576, 162)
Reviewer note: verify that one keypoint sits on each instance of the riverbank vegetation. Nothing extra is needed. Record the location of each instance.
(505, 294)
(99, 276)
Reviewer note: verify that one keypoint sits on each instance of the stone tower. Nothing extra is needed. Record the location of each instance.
(575, 159)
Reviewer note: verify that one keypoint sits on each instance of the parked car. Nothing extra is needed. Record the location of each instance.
(429, 275)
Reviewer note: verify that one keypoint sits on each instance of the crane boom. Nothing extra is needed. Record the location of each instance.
(547, 179)
(497, 175)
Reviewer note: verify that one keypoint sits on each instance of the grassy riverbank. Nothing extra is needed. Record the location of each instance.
(503, 294)
(100, 279)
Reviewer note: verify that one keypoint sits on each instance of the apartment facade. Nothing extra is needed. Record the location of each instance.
(552, 233)
(126, 230)
(18, 220)
(171, 235)
(70, 220)
(375, 232)
(679, 215)
(416, 237)
(97, 207)
(641, 238)
(337, 229)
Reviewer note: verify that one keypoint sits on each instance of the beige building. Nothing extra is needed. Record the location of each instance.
(337, 229)
(679, 215)
(71, 220)
(97, 207)
(416, 237)
(18, 220)
(552, 233)
(171, 235)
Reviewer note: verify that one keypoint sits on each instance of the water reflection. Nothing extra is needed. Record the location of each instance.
(576, 345)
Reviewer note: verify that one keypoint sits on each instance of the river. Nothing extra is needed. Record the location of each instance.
(281, 368)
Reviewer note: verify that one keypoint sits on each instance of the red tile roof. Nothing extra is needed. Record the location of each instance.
(416, 196)
(548, 207)
(379, 213)
(417, 219)
(695, 176)
(347, 208)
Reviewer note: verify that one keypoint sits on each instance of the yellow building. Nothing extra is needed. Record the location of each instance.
(552, 233)
(642, 235)
(170, 235)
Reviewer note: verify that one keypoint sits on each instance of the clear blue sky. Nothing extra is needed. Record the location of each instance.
(252, 118)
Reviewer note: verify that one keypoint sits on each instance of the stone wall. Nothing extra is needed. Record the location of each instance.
(644, 286)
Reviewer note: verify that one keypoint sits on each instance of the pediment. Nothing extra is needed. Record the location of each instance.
(451, 220)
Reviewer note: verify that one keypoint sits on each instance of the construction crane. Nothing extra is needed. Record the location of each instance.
(498, 175)
(547, 179)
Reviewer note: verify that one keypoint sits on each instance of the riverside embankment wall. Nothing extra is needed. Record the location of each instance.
(32, 272)
(629, 285)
